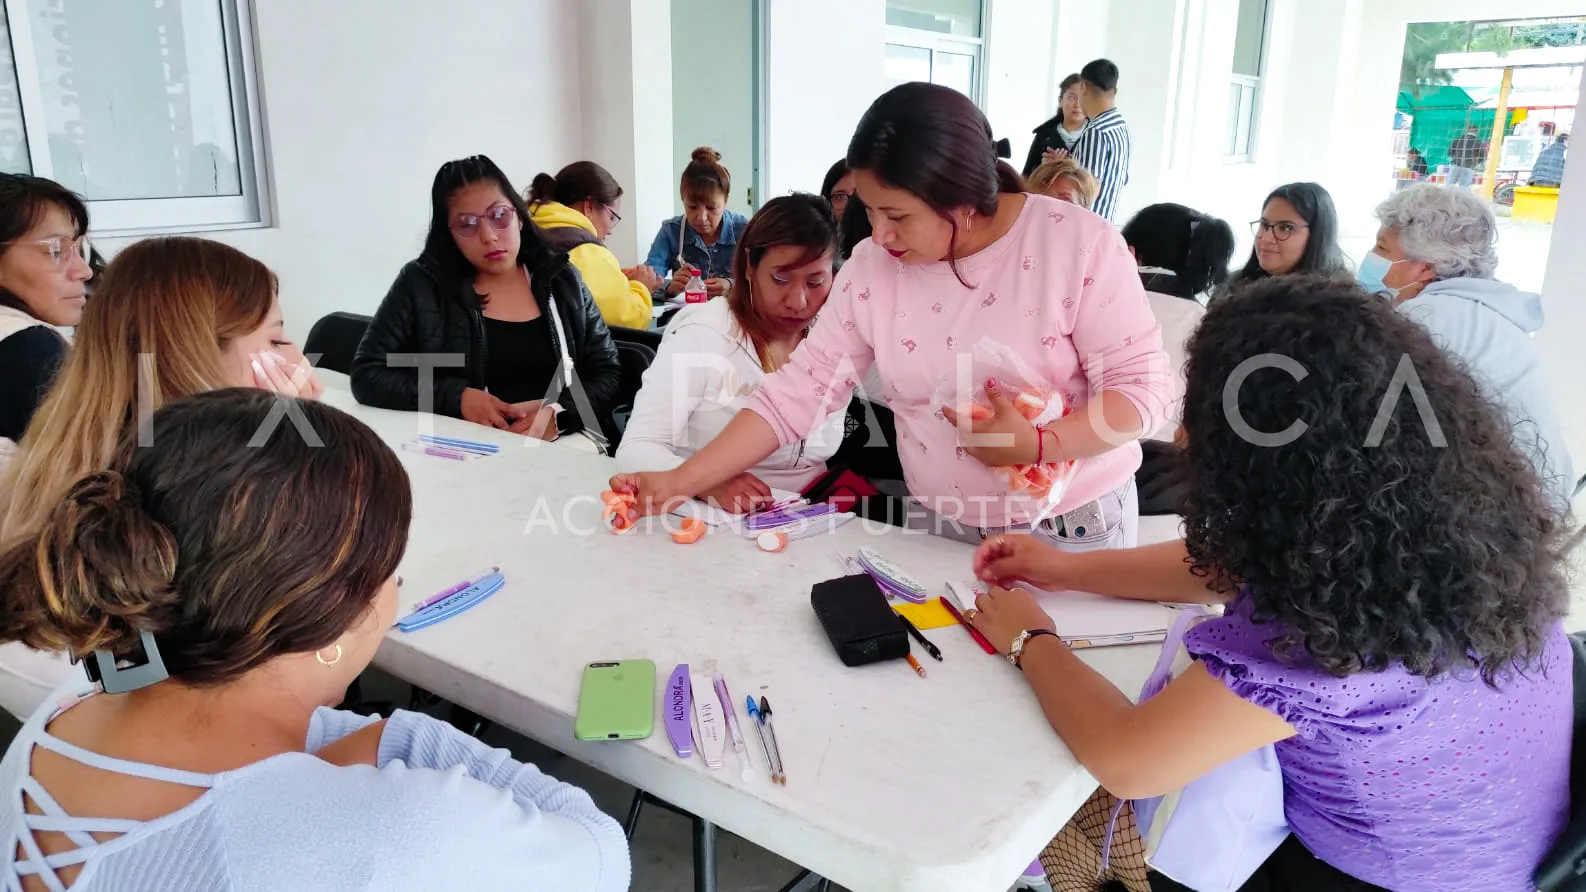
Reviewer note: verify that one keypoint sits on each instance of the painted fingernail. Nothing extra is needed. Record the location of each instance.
(991, 382)
(258, 368)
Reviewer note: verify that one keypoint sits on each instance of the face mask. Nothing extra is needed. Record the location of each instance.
(1372, 268)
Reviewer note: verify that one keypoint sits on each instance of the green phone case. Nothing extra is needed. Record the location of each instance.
(617, 701)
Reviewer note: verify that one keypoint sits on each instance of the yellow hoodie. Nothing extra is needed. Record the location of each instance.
(621, 300)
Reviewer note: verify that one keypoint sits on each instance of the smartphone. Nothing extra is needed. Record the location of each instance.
(616, 701)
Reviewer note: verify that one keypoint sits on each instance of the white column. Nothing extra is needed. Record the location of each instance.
(625, 68)
(825, 67)
(1562, 300)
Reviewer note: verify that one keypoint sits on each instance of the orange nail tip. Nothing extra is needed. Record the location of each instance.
(690, 532)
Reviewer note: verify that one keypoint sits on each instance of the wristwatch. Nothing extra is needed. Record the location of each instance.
(1016, 652)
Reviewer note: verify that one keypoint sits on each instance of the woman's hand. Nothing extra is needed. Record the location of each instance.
(717, 287)
(1001, 614)
(1006, 438)
(361, 747)
(286, 373)
(656, 492)
(1051, 155)
(679, 282)
(1012, 558)
(740, 495)
(644, 276)
(535, 419)
(483, 408)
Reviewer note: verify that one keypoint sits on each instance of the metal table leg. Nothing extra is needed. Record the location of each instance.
(704, 855)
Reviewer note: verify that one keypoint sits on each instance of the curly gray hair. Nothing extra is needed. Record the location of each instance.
(1448, 227)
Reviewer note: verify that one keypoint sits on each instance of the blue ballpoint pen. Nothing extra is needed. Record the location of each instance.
(759, 728)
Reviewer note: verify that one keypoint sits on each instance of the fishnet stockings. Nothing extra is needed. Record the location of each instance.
(1072, 859)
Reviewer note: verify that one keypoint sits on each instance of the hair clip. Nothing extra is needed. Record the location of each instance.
(102, 668)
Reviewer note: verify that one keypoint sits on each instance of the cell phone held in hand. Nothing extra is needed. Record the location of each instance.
(616, 701)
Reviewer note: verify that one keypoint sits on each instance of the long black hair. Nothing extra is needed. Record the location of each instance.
(24, 200)
(1322, 253)
(1368, 541)
(439, 246)
(932, 142)
(1195, 246)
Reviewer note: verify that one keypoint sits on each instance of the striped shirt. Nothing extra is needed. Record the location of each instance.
(1103, 149)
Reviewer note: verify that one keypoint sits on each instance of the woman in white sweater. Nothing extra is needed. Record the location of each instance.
(715, 355)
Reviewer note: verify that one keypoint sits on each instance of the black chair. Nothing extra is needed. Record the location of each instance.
(1564, 868)
(635, 358)
(650, 339)
(334, 338)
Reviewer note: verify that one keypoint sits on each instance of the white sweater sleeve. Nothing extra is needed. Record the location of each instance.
(691, 368)
(553, 826)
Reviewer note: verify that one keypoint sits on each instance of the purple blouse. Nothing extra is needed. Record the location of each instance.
(1408, 783)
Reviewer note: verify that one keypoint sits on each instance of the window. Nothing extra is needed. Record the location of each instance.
(146, 108)
(937, 41)
(1250, 40)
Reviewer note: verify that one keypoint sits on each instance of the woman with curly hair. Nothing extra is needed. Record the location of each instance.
(1394, 599)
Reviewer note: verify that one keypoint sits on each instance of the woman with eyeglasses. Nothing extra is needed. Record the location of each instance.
(838, 187)
(576, 211)
(44, 272)
(1297, 233)
(537, 357)
(704, 236)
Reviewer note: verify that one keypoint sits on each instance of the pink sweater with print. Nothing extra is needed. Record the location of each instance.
(1060, 289)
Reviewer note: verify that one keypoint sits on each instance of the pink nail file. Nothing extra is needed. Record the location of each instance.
(710, 728)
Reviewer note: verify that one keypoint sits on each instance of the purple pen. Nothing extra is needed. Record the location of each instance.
(437, 451)
(445, 593)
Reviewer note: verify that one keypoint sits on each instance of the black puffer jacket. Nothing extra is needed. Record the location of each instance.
(427, 312)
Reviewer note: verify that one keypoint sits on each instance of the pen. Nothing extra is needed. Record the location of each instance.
(466, 445)
(770, 729)
(985, 645)
(439, 451)
(759, 729)
(917, 635)
(445, 593)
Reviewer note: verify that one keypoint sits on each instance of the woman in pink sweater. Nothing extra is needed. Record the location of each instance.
(959, 254)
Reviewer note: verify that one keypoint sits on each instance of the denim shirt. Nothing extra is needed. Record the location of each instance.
(715, 260)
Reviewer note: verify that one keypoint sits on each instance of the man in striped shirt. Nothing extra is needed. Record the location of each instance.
(1103, 148)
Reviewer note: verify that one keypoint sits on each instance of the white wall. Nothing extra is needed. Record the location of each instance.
(824, 70)
(713, 90)
(365, 99)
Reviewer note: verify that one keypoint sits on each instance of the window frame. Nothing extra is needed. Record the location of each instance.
(937, 43)
(146, 216)
(1251, 85)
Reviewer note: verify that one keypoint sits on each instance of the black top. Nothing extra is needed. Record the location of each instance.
(429, 311)
(28, 361)
(1047, 136)
(521, 359)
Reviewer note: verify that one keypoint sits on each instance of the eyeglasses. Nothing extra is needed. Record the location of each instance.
(841, 197)
(615, 217)
(62, 249)
(1280, 230)
(499, 216)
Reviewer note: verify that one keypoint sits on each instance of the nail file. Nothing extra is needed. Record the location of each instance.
(892, 579)
(734, 732)
(680, 711)
(710, 729)
(963, 596)
(788, 515)
(453, 605)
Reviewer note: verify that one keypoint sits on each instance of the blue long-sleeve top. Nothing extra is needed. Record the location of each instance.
(715, 260)
(440, 810)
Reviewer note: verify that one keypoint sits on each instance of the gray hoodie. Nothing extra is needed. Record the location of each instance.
(1489, 325)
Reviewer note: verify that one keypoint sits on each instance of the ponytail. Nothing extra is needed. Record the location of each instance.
(1211, 247)
(1008, 179)
(100, 572)
(542, 189)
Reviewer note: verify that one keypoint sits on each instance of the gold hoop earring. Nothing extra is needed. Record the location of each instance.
(330, 662)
